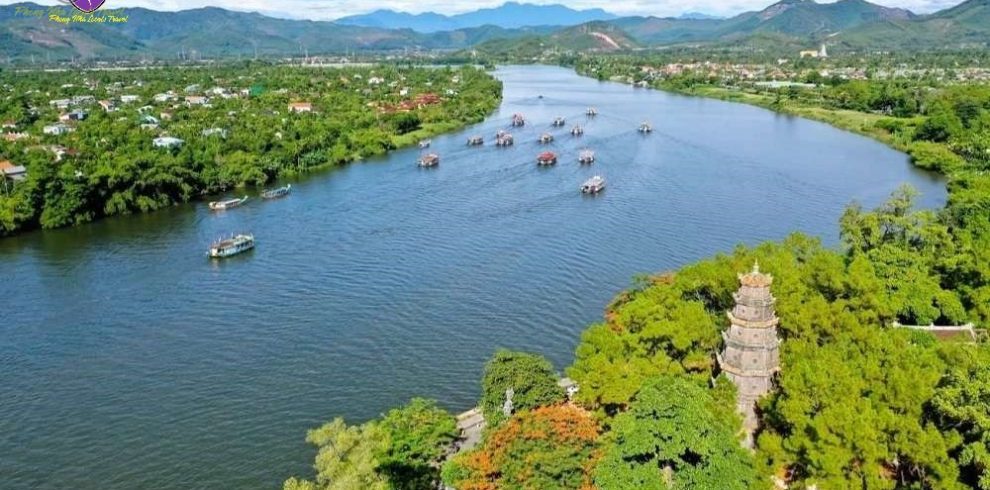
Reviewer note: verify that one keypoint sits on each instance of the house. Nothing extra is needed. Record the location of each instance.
(165, 97)
(9, 125)
(809, 54)
(83, 99)
(107, 106)
(376, 81)
(78, 115)
(167, 142)
(148, 122)
(12, 137)
(13, 172)
(404, 92)
(127, 99)
(56, 129)
(61, 103)
(215, 132)
(300, 107)
(196, 100)
(191, 88)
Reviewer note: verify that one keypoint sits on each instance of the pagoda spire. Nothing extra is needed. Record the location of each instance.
(750, 356)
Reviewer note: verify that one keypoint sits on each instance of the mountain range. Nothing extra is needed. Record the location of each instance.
(214, 32)
(510, 15)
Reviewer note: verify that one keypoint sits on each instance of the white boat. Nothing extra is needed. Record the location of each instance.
(429, 160)
(645, 128)
(577, 130)
(277, 193)
(591, 111)
(231, 246)
(558, 122)
(425, 143)
(227, 204)
(475, 141)
(593, 185)
(586, 157)
(546, 138)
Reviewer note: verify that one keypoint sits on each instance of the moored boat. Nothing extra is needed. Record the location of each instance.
(228, 247)
(277, 193)
(577, 130)
(425, 143)
(504, 139)
(518, 120)
(429, 160)
(558, 122)
(586, 157)
(227, 204)
(593, 185)
(475, 141)
(591, 112)
(645, 127)
(546, 158)
(546, 138)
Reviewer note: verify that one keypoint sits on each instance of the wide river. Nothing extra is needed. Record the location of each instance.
(129, 360)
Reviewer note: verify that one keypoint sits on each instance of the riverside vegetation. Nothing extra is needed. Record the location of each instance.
(235, 121)
(858, 404)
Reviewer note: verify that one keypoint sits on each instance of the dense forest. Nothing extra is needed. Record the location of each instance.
(858, 404)
(234, 121)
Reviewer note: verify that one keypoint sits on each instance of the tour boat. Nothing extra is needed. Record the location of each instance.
(559, 122)
(227, 204)
(518, 120)
(546, 158)
(276, 193)
(546, 138)
(591, 112)
(425, 143)
(577, 131)
(593, 185)
(504, 139)
(231, 246)
(475, 141)
(645, 128)
(586, 157)
(429, 160)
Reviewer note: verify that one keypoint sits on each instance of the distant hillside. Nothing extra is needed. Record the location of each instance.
(965, 25)
(510, 15)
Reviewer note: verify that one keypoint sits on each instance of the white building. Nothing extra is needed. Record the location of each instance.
(167, 142)
(56, 129)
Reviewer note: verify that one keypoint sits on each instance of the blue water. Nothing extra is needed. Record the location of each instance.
(128, 360)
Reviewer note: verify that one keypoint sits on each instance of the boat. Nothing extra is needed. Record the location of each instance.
(518, 120)
(591, 112)
(645, 127)
(504, 139)
(593, 185)
(227, 204)
(276, 193)
(475, 141)
(231, 246)
(429, 160)
(558, 122)
(577, 130)
(546, 158)
(546, 138)
(586, 157)
(425, 143)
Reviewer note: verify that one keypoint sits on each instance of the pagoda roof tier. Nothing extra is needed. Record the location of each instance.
(757, 301)
(771, 323)
(749, 347)
(745, 373)
(755, 278)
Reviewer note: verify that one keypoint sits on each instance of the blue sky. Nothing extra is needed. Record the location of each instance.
(330, 9)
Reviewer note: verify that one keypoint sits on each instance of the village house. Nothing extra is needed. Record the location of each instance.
(191, 88)
(12, 137)
(56, 129)
(376, 81)
(165, 97)
(61, 103)
(196, 100)
(78, 115)
(214, 132)
(13, 172)
(127, 99)
(9, 125)
(107, 106)
(83, 99)
(300, 107)
(148, 122)
(167, 142)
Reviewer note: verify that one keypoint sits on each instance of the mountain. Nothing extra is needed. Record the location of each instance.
(510, 15)
(965, 25)
(806, 18)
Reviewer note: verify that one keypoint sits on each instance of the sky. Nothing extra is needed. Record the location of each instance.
(331, 9)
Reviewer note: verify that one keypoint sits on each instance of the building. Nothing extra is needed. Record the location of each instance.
(196, 100)
(13, 172)
(214, 132)
(56, 129)
(61, 103)
(107, 106)
(750, 357)
(300, 107)
(167, 142)
(78, 115)
(127, 99)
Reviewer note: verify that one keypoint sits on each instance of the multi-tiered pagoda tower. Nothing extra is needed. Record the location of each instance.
(751, 356)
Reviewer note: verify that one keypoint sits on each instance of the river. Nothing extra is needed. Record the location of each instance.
(128, 360)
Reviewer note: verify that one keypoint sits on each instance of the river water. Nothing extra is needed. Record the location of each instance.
(128, 360)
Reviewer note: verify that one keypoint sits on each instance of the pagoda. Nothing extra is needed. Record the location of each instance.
(750, 357)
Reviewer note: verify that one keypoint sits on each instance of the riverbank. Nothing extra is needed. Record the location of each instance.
(92, 149)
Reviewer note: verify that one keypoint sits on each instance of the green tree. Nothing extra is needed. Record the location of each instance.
(531, 378)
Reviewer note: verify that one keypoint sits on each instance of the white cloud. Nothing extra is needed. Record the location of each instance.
(331, 9)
